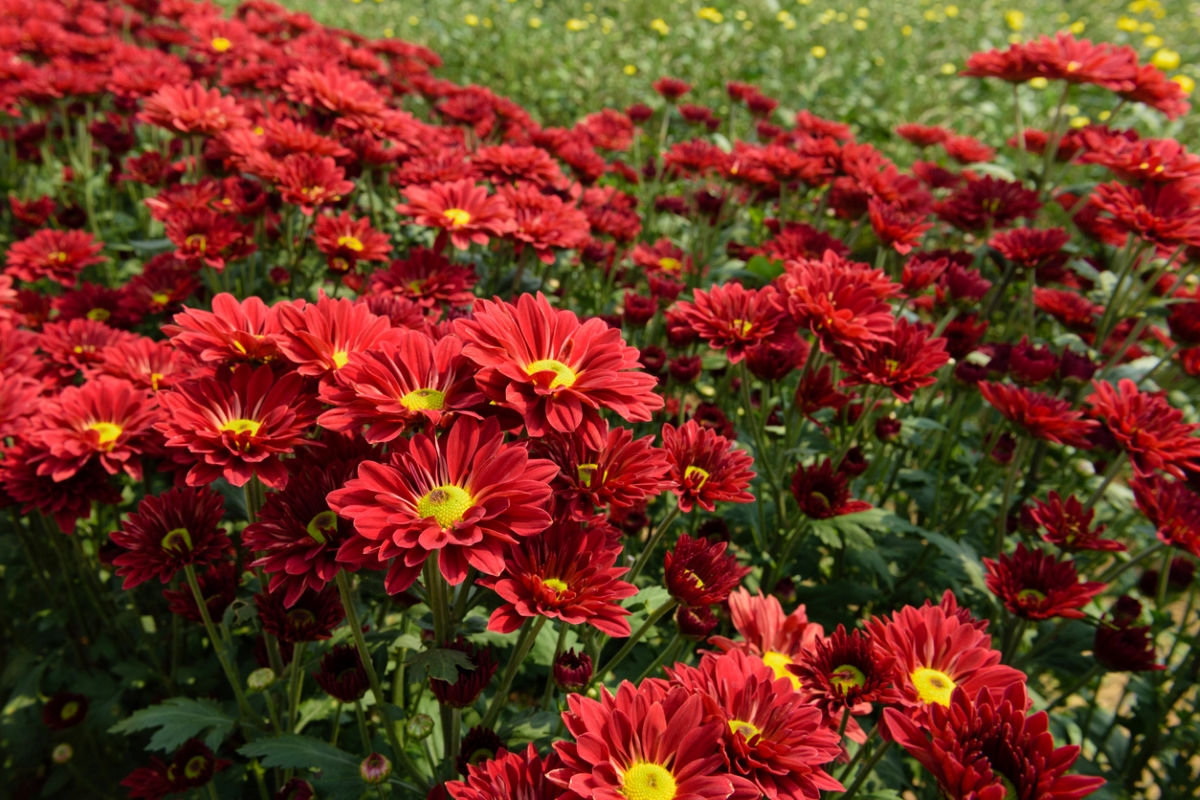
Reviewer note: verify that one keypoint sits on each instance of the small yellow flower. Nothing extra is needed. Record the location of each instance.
(1166, 59)
(1080, 122)
(819, 52)
(1103, 116)
(414, 21)
(576, 25)
(783, 16)
(859, 25)
(1015, 19)
(630, 69)
(1146, 27)
(711, 14)
(388, 33)
(1186, 83)
(907, 30)
(221, 44)
(471, 20)
(747, 25)
(862, 13)
(931, 15)
(661, 26)
(949, 69)
(1153, 42)
(1127, 24)
(1039, 83)
(740, 15)
(1078, 27)
(951, 11)
(1063, 18)
(535, 22)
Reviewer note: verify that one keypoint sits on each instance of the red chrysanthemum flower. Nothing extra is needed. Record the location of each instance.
(1030, 247)
(823, 492)
(1155, 89)
(236, 425)
(646, 742)
(838, 300)
(572, 671)
(57, 255)
(1121, 645)
(167, 532)
(987, 748)
(903, 363)
(461, 211)
(427, 278)
(201, 234)
(778, 639)
(345, 241)
(923, 135)
(1172, 508)
(79, 344)
(1164, 214)
(192, 768)
(732, 318)
(1147, 428)
(544, 222)
(895, 227)
(472, 680)
(145, 363)
(463, 495)
(311, 618)
(68, 500)
(320, 337)
(106, 419)
(662, 257)
(1070, 308)
(1039, 415)
(64, 710)
(622, 473)
(844, 674)
(1069, 526)
(308, 181)
(520, 775)
(671, 88)
(1065, 58)
(700, 573)
(553, 370)
(506, 164)
(1036, 585)
(774, 741)
(18, 403)
(706, 468)
(988, 202)
(967, 149)
(234, 331)
(192, 109)
(936, 649)
(566, 573)
(341, 674)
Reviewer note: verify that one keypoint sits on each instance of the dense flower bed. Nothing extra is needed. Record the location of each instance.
(295, 510)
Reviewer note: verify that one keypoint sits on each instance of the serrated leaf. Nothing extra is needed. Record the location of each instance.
(292, 751)
(177, 720)
(440, 663)
(406, 640)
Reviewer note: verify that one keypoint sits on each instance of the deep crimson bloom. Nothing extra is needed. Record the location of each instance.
(506, 164)
(57, 255)
(816, 391)
(309, 181)
(346, 241)
(1172, 508)
(237, 424)
(1138, 160)
(64, 710)
(1036, 585)
(1147, 428)
(662, 257)
(1069, 527)
(544, 222)
(201, 234)
(967, 149)
(1184, 317)
(461, 211)
(401, 382)
(1039, 415)
(1030, 247)
(234, 331)
(341, 674)
(1155, 89)
(841, 302)
(334, 89)
(218, 586)
(1165, 214)
(700, 573)
(78, 344)
(822, 492)
(984, 746)
(478, 746)
(646, 742)
(1121, 645)
(923, 135)
(321, 337)
(778, 639)
(428, 278)
(312, 618)
(622, 473)
(903, 364)
(464, 495)
(844, 673)
(706, 468)
(471, 682)
(936, 649)
(192, 768)
(731, 318)
(671, 88)
(66, 500)
(896, 228)
(167, 532)
(988, 201)
(147, 364)
(775, 360)
(193, 109)
(1070, 308)
(553, 370)
(1012, 65)
(572, 671)
(511, 775)
(774, 740)
(566, 572)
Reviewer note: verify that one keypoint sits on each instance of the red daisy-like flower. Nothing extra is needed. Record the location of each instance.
(1069, 527)
(988, 202)
(988, 748)
(937, 649)
(1165, 214)
(346, 241)
(1039, 415)
(1172, 508)
(1030, 247)
(838, 300)
(823, 492)
(645, 742)
(145, 363)
(778, 639)
(506, 164)
(774, 741)
(234, 331)
(903, 363)
(544, 222)
(308, 181)
(341, 674)
(732, 318)
(700, 573)
(236, 425)
(1121, 645)
(519, 775)
(192, 767)
(706, 468)
(923, 135)
(201, 234)
(967, 149)
(1063, 57)
(79, 344)
(844, 674)
(193, 109)
(553, 370)
(1147, 428)
(622, 473)
(320, 337)
(66, 500)
(311, 618)
(167, 532)
(57, 255)
(1036, 585)
(461, 211)
(567, 573)
(1070, 308)
(463, 495)
(428, 278)
(662, 257)
(896, 228)
(1155, 89)
(19, 402)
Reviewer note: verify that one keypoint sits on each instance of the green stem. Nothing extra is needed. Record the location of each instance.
(230, 673)
(1109, 475)
(295, 685)
(1074, 687)
(654, 617)
(363, 733)
(651, 544)
(337, 723)
(663, 657)
(866, 770)
(1164, 580)
(563, 628)
(529, 633)
(1009, 484)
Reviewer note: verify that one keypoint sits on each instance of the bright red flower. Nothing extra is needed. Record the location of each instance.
(506, 164)
(232, 332)
(1138, 160)
(896, 228)
(428, 278)
(1069, 527)
(1039, 415)
(311, 618)
(192, 109)
(1012, 65)
(201, 234)
(1036, 585)
(79, 344)
(1147, 428)
(553, 370)
(840, 301)
(145, 363)
(988, 202)
(57, 255)
(1164, 214)
(237, 424)
(567, 573)
(700, 573)
(903, 364)
(729, 317)
(706, 468)
(167, 532)
(671, 88)
(622, 473)
(1156, 90)
(346, 241)
(544, 222)
(967, 149)
(1030, 247)
(1063, 57)
(923, 135)
(19, 402)
(663, 257)
(511, 775)
(321, 337)
(1172, 508)
(1070, 308)
(983, 746)
(464, 495)
(778, 639)
(307, 181)
(462, 211)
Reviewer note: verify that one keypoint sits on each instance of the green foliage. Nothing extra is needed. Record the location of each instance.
(176, 721)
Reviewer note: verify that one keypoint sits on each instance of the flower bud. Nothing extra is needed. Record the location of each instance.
(62, 753)
(261, 679)
(572, 671)
(419, 727)
(375, 769)
(695, 623)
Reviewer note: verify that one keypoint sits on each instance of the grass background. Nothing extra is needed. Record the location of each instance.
(873, 63)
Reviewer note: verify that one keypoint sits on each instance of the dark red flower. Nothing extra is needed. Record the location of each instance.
(1172, 508)
(1147, 428)
(311, 618)
(519, 775)
(341, 674)
(896, 228)
(471, 682)
(700, 573)
(624, 472)
(988, 202)
(64, 710)
(572, 671)
(167, 532)
(923, 135)
(1030, 247)
(428, 278)
(544, 222)
(1036, 585)
(57, 255)
(695, 624)
(201, 234)
(845, 670)
(705, 467)
(1039, 415)
(1121, 645)
(192, 767)
(66, 500)
(967, 149)
(822, 492)
(234, 331)
(1070, 308)
(904, 363)
(840, 301)
(461, 211)
(671, 88)
(1069, 527)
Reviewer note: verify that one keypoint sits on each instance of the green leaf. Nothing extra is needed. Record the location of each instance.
(764, 267)
(177, 720)
(408, 641)
(291, 751)
(440, 663)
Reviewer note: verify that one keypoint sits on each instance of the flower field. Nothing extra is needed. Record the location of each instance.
(366, 431)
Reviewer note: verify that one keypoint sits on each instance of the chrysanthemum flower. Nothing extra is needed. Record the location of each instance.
(622, 473)
(345, 241)
(237, 424)
(57, 255)
(1036, 585)
(988, 202)
(1065, 58)
(312, 618)
(192, 768)
(566, 572)
(1041, 416)
(774, 741)
(553, 370)
(427, 278)
(732, 318)
(64, 710)
(471, 681)
(1069, 527)
(700, 573)
(936, 650)
(403, 381)
(507, 164)
(544, 222)
(987, 748)
(778, 639)
(1147, 428)
(341, 674)
(662, 257)
(572, 671)
(18, 403)
(192, 109)
(167, 532)
(843, 671)
(147, 364)
(519, 775)
(838, 301)
(923, 135)
(895, 227)
(462, 211)
(68, 500)
(1172, 508)
(463, 495)
(106, 419)
(320, 337)
(234, 331)
(706, 468)
(308, 181)
(1030, 247)
(478, 746)
(648, 743)
(1070, 308)
(79, 344)
(823, 492)
(903, 363)
(1163, 214)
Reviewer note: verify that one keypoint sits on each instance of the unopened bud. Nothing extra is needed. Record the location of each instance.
(375, 769)
(419, 726)
(62, 753)
(261, 679)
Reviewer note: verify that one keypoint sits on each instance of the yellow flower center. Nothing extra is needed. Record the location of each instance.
(554, 583)
(446, 504)
(457, 217)
(847, 677)
(107, 433)
(746, 729)
(99, 314)
(221, 44)
(697, 474)
(350, 243)
(160, 298)
(779, 664)
(155, 377)
(647, 781)
(57, 255)
(195, 766)
(670, 264)
(689, 574)
(1073, 66)
(563, 375)
(69, 709)
(933, 686)
(340, 357)
(240, 426)
(424, 400)
(744, 325)
(198, 241)
(586, 473)
(322, 526)
(178, 539)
